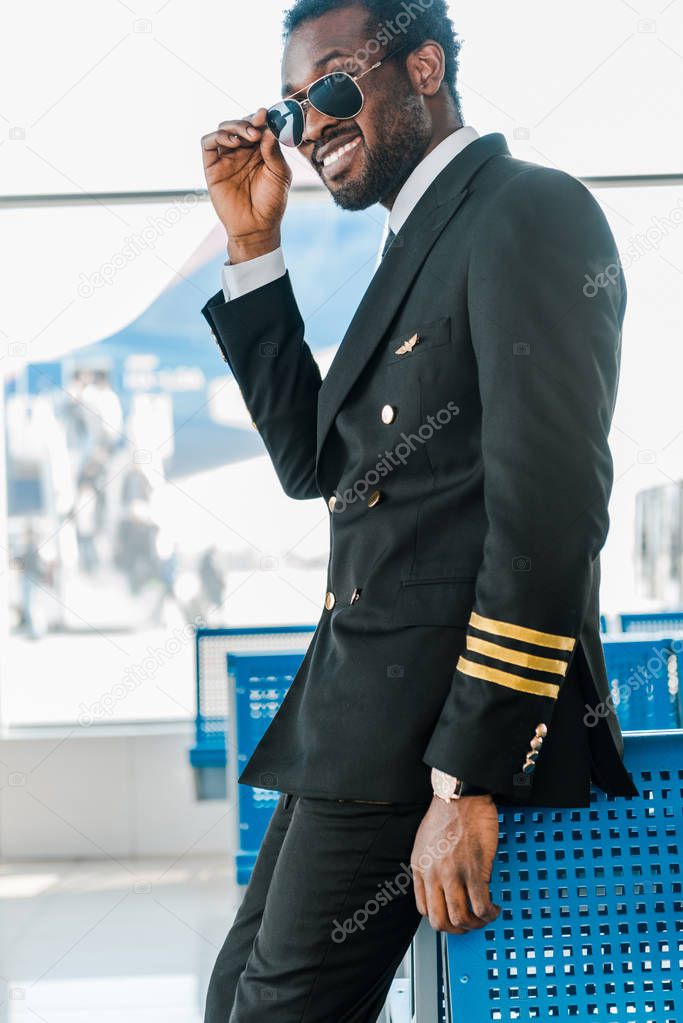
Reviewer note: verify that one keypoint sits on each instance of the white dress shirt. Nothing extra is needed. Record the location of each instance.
(240, 278)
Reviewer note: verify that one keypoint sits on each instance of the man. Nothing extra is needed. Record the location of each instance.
(460, 442)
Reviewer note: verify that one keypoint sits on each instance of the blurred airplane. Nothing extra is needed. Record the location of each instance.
(161, 383)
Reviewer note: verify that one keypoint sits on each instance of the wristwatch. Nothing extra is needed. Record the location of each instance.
(449, 788)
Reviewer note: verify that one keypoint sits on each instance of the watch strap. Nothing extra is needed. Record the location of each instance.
(473, 790)
(448, 787)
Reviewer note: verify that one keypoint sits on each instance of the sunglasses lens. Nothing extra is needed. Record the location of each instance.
(286, 121)
(336, 95)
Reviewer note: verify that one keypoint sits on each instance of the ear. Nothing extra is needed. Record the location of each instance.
(426, 67)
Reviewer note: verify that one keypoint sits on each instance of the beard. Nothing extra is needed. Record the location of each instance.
(406, 131)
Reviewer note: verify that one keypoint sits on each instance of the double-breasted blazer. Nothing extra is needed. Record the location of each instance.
(460, 442)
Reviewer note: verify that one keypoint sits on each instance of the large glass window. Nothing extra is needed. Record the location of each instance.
(647, 432)
(592, 88)
(139, 497)
(124, 94)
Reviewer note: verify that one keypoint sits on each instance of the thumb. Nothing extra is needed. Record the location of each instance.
(272, 155)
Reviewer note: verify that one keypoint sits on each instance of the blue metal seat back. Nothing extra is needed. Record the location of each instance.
(592, 908)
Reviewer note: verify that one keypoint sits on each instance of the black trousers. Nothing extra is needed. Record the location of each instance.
(327, 917)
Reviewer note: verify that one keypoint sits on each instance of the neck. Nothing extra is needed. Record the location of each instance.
(440, 133)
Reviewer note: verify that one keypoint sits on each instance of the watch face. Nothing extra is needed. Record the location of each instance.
(444, 785)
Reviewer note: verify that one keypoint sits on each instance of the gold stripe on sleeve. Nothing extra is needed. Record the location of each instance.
(505, 678)
(521, 633)
(505, 653)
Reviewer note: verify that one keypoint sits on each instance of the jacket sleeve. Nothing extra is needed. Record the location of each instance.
(546, 299)
(261, 337)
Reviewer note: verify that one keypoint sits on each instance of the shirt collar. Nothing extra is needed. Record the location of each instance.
(424, 174)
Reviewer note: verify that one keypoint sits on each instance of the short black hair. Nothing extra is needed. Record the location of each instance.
(409, 21)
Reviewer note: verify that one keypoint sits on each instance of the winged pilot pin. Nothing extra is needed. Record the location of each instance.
(408, 345)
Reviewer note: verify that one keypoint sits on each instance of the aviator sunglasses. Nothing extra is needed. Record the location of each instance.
(336, 94)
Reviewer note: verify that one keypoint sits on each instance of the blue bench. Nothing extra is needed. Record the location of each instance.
(592, 899)
(208, 756)
(257, 685)
(591, 925)
(652, 622)
(644, 674)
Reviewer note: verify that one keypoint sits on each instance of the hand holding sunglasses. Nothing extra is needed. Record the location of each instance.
(248, 180)
(336, 95)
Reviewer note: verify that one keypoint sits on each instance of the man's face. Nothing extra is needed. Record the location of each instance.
(384, 142)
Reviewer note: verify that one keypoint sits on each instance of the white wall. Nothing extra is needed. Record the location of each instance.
(122, 792)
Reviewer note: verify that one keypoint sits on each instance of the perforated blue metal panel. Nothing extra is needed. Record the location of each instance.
(652, 621)
(257, 685)
(592, 914)
(212, 647)
(644, 681)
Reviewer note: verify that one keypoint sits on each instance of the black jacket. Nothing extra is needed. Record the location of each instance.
(460, 440)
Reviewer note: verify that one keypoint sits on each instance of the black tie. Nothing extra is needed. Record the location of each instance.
(387, 244)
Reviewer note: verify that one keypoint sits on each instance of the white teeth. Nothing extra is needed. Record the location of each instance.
(334, 156)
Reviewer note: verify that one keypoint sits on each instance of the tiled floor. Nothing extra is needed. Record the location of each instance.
(111, 941)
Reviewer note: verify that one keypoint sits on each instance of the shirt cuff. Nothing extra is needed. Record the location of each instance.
(241, 278)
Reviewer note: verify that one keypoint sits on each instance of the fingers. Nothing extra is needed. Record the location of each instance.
(432, 904)
(231, 135)
(246, 132)
(259, 117)
(454, 906)
(419, 890)
(271, 152)
(237, 130)
(480, 900)
(459, 912)
(437, 911)
(249, 129)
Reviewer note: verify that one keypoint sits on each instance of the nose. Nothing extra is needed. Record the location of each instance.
(315, 123)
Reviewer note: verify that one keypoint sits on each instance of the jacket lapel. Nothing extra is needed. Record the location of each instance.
(396, 273)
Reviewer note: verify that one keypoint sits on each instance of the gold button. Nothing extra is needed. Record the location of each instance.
(542, 730)
(375, 498)
(388, 414)
(254, 425)
(329, 600)
(536, 742)
(332, 501)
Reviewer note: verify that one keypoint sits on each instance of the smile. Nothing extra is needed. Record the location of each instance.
(338, 153)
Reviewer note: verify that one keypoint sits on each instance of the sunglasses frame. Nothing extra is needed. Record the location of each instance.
(306, 102)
